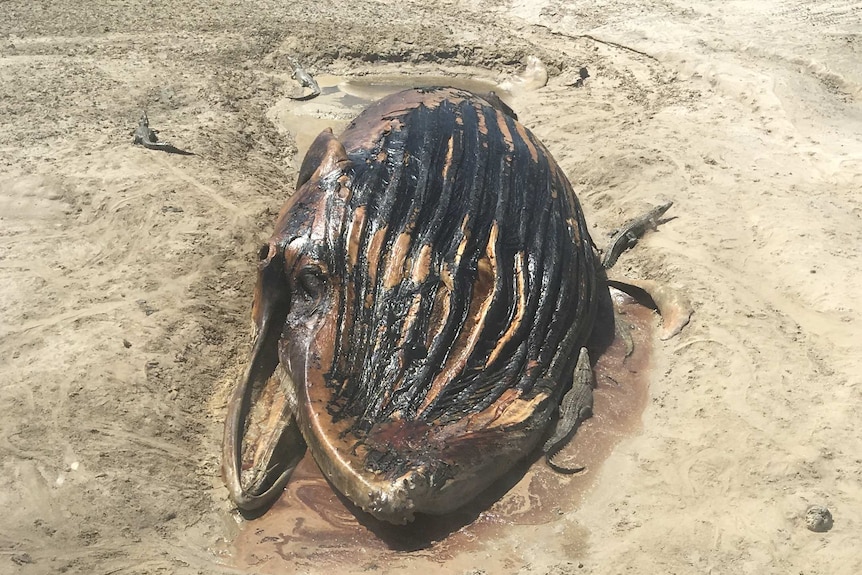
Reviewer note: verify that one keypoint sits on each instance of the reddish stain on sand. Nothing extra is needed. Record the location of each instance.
(312, 525)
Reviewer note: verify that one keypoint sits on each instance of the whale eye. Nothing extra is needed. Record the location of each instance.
(311, 281)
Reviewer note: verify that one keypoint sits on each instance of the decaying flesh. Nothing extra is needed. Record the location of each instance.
(673, 306)
(425, 293)
(418, 312)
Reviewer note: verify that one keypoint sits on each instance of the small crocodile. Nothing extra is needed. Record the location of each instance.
(629, 234)
(575, 408)
(305, 80)
(149, 139)
(577, 404)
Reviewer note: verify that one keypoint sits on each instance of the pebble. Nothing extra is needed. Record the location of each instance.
(818, 519)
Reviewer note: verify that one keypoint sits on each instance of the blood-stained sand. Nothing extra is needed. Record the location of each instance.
(126, 274)
(313, 528)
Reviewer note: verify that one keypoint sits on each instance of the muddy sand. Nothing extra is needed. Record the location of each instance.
(126, 274)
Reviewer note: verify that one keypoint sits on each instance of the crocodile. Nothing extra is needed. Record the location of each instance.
(305, 80)
(575, 408)
(148, 138)
(577, 404)
(629, 234)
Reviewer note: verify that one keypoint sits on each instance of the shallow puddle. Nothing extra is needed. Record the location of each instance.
(313, 528)
(342, 99)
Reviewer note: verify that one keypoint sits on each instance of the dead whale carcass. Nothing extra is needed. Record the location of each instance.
(418, 310)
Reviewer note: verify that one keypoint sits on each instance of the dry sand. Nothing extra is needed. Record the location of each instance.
(125, 274)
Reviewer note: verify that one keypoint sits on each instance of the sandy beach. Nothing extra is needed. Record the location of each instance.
(126, 274)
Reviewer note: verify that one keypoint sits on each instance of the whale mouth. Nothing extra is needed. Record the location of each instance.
(262, 442)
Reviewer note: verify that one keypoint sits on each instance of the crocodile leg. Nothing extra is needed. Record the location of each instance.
(575, 408)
